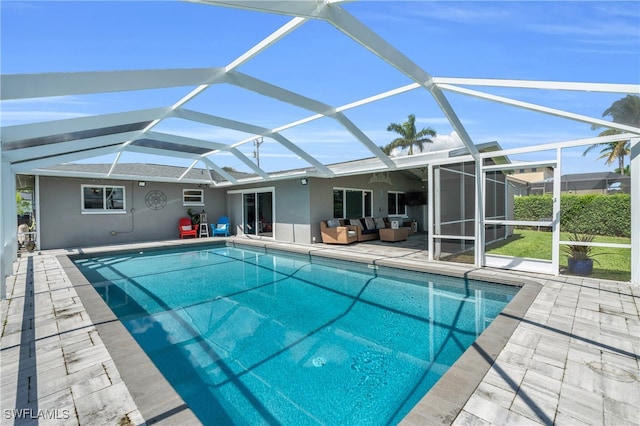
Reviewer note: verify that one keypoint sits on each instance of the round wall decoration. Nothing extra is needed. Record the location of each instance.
(155, 200)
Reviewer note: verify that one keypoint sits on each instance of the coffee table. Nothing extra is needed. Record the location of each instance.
(388, 234)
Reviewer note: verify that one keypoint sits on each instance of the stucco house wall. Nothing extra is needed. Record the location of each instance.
(298, 209)
(62, 223)
(291, 202)
(321, 200)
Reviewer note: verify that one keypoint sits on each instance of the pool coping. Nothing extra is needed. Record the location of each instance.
(158, 402)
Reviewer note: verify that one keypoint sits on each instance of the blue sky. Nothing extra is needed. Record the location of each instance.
(562, 41)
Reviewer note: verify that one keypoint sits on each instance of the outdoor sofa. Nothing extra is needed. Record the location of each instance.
(333, 232)
(366, 229)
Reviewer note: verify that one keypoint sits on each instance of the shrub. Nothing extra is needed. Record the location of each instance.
(585, 214)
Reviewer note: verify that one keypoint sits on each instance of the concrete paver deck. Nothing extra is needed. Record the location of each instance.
(572, 358)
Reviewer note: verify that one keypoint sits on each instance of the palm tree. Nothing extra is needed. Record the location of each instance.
(386, 149)
(408, 135)
(625, 171)
(623, 111)
(612, 151)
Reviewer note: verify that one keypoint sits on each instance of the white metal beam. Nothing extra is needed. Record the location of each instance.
(22, 86)
(63, 148)
(219, 170)
(553, 145)
(287, 96)
(251, 129)
(275, 92)
(635, 211)
(364, 139)
(539, 108)
(71, 125)
(183, 140)
(249, 163)
(305, 8)
(268, 41)
(360, 33)
(324, 170)
(36, 163)
(536, 84)
(8, 224)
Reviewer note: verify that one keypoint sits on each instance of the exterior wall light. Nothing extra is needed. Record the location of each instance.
(304, 181)
(142, 183)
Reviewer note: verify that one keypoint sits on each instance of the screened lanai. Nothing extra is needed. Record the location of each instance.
(279, 90)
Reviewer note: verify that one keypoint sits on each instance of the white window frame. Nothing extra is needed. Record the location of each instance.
(103, 210)
(185, 202)
(404, 208)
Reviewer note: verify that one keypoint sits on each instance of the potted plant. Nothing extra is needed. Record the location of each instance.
(195, 217)
(580, 257)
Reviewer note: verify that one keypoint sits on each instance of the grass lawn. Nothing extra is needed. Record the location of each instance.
(609, 263)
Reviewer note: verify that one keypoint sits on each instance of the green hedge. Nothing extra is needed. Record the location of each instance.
(589, 214)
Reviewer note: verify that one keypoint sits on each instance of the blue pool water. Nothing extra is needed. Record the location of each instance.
(248, 337)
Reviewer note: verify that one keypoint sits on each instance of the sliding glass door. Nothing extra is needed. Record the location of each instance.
(257, 213)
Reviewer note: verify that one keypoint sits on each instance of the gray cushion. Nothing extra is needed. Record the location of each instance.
(379, 222)
(370, 224)
(333, 223)
(356, 222)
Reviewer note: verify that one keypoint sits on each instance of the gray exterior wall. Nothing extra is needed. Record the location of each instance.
(62, 224)
(291, 201)
(298, 209)
(322, 196)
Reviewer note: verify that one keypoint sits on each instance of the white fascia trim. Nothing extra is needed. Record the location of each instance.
(256, 189)
(522, 165)
(116, 176)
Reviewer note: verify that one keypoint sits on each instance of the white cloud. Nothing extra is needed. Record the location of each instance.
(440, 142)
(11, 118)
(23, 111)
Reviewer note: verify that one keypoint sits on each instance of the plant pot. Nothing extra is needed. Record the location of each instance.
(580, 266)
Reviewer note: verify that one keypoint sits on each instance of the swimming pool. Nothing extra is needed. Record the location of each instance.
(252, 337)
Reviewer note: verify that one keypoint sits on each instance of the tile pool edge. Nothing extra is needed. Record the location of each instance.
(155, 398)
(446, 399)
